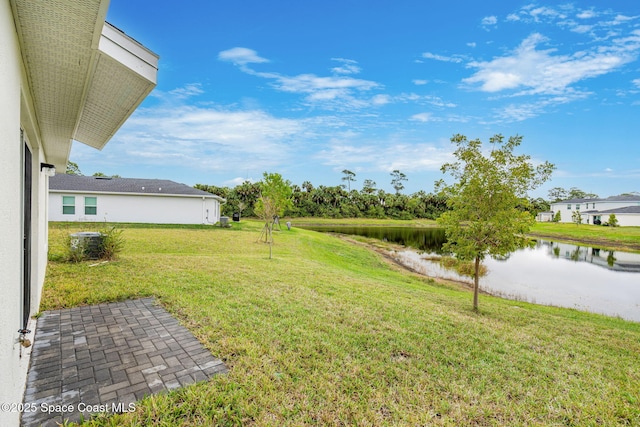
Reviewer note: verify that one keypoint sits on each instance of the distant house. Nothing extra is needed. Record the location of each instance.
(154, 201)
(65, 75)
(595, 211)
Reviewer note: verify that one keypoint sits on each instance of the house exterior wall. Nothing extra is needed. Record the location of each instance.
(140, 208)
(14, 359)
(600, 205)
(624, 220)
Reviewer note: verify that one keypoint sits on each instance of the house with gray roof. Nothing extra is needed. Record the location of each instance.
(153, 201)
(625, 207)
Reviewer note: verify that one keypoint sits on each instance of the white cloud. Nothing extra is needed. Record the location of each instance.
(546, 72)
(420, 82)
(234, 182)
(587, 14)
(241, 56)
(423, 117)
(349, 66)
(563, 16)
(454, 58)
(582, 29)
(472, 44)
(381, 100)
(205, 138)
(192, 89)
(386, 156)
(489, 21)
(335, 92)
(636, 82)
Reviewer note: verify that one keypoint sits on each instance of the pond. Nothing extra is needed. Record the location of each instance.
(550, 273)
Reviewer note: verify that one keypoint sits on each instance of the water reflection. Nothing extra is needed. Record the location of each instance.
(615, 260)
(549, 273)
(428, 239)
(544, 275)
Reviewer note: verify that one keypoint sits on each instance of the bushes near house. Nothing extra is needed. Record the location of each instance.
(613, 221)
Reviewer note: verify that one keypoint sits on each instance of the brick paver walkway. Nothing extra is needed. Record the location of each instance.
(104, 358)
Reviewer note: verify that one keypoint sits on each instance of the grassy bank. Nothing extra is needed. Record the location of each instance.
(328, 333)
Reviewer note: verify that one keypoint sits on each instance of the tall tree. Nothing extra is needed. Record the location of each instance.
(73, 169)
(397, 178)
(484, 218)
(349, 177)
(557, 194)
(369, 186)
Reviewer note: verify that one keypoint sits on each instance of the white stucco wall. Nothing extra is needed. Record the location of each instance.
(152, 209)
(624, 220)
(14, 360)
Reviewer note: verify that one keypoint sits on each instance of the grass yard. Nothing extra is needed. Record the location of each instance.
(327, 333)
(627, 238)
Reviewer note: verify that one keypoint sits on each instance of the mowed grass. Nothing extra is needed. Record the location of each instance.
(327, 333)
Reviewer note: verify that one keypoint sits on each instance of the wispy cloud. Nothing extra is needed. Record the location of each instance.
(192, 89)
(386, 157)
(337, 91)
(597, 23)
(489, 21)
(453, 58)
(241, 56)
(203, 137)
(423, 117)
(349, 66)
(545, 71)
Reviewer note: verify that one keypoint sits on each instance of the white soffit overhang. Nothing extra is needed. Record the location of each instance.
(85, 76)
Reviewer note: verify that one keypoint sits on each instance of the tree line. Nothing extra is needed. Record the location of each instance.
(342, 201)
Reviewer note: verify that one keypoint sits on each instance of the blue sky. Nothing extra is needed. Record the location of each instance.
(309, 88)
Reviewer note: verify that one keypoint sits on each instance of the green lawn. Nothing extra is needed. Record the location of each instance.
(328, 333)
(609, 237)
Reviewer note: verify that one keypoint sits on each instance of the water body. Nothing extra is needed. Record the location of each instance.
(551, 273)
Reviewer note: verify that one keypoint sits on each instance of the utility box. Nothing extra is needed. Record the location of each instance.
(236, 216)
(224, 221)
(88, 244)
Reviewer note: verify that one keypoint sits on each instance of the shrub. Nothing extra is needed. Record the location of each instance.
(613, 221)
(112, 243)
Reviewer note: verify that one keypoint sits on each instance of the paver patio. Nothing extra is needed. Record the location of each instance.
(103, 358)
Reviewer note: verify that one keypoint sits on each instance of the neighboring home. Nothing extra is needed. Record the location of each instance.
(65, 75)
(154, 201)
(544, 216)
(595, 211)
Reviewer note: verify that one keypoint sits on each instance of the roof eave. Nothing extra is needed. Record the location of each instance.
(84, 76)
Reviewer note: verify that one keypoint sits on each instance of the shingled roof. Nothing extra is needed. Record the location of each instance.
(95, 184)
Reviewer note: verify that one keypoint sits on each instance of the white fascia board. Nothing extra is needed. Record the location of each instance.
(118, 193)
(128, 52)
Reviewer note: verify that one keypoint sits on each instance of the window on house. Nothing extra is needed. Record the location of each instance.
(577, 207)
(569, 206)
(90, 205)
(68, 205)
